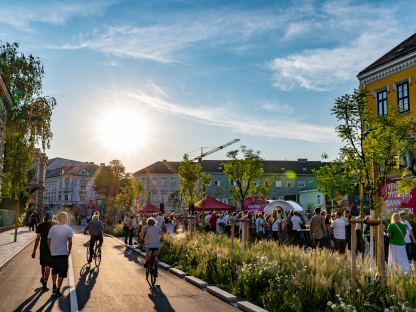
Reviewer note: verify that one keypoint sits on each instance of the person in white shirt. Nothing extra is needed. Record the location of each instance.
(207, 221)
(60, 245)
(151, 235)
(220, 224)
(260, 226)
(409, 238)
(275, 225)
(340, 239)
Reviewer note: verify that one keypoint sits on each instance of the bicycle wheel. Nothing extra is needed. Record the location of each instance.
(97, 254)
(153, 273)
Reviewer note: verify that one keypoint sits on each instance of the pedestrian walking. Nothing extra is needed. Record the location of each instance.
(126, 220)
(409, 238)
(396, 231)
(340, 237)
(45, 257)
(60, 245)
(318, 228)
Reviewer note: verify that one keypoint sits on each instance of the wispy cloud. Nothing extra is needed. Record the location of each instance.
(359, 35)
(228, 117)
(162, 41)
(278, 108)
(51, 12)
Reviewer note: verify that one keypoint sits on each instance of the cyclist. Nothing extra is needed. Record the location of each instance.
(95, 228)
(151, 235)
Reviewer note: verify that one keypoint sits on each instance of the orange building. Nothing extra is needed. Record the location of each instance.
(391, 80)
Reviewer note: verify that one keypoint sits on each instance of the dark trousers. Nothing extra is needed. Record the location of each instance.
(275, 235)
(339, 245)
(93, 239)
(319, 242)
(131, 233)
(126, 234)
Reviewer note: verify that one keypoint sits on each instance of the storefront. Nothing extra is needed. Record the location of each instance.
(394, 200)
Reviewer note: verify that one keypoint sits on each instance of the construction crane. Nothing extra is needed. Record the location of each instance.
(199, 158)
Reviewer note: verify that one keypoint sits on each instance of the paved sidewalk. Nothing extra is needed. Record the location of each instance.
(8, 248)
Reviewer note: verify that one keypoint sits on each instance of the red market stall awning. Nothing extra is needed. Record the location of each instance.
(211, 203)
(149, 208)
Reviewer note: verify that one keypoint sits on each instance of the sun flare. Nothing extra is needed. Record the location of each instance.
(122, 130)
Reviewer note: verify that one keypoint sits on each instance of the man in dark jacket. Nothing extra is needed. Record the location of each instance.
(45, 258)
(95, 228)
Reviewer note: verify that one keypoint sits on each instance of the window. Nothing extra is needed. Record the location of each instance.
(301, 183)
(163, 182)
(66, 197)
(154, 196)
(233, 183)
(318, 199)
(154, 181)
(278, 183)
(403, 97)
(83, 184)
(382, 103)
(290, 184)
(82, 198)
(217, 182)
(173, 181)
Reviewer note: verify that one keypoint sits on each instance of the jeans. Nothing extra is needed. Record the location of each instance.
(93, 239)
(131, 232)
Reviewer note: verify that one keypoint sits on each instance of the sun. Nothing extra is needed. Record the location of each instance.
(122, 130)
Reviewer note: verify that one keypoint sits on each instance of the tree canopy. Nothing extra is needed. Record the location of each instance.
(28, 119)
(244, 168)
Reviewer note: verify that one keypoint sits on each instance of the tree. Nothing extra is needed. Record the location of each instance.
(246, 174)
(174, 199)
(371, 152)
(27, 120)
(334, 181)
(193, 181)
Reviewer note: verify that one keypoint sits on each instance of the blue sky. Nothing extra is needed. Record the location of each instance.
(178, 75)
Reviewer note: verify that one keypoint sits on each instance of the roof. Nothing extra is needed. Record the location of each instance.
(406, 47)
(211, 203)
(161, 167)
(74, 170)
(59, 162)
(213, 166)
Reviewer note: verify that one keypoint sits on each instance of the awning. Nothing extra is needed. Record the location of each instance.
(286, 205)
(211, 203)
(150, 209)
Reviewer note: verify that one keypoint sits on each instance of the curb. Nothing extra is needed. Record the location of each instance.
(249, 307)
(14, 255)
(222, 294)
(196, 281)
(213, 290)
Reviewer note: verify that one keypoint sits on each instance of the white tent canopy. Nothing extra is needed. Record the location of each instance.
(286, 205)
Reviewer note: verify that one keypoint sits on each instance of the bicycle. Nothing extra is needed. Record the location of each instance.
(152, 266)
(96, 256)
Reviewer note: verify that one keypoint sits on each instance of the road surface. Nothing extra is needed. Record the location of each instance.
(118, 285)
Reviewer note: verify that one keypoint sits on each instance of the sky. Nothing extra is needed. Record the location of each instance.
(143, 81)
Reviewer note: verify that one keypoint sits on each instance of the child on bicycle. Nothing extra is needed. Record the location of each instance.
(151, 235)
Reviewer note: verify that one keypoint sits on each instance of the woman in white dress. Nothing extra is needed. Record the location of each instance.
(396, 232)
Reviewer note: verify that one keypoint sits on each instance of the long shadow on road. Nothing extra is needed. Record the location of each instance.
(30, 302)
(156, 294)
(87, 280)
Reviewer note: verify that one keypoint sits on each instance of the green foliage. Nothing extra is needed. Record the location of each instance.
(193, 181)
(28, 118)
(246, 171)
(285, 278)
(116, 230)
(174, 199)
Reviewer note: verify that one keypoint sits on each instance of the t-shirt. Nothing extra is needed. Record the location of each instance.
(43, 230)
(407, 238)
(259, 225)
(59, 235)
(151, 235)
(207, 219)
(339, 226)
(296, 222)
(275, 224)
(95, 227)
(397, 238)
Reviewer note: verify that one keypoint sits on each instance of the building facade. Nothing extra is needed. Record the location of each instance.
(391, 80)
(38, 180)
(289, 180)
(71, 187)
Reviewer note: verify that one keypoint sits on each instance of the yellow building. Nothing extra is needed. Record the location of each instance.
(391, 80)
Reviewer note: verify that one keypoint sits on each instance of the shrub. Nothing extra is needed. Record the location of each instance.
(285, 278)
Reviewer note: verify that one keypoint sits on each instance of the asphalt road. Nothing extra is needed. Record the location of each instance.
(118, 285)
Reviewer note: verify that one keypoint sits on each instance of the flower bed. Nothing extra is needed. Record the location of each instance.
(285, 278)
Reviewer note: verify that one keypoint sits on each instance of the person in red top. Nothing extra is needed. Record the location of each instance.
(213, 222)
